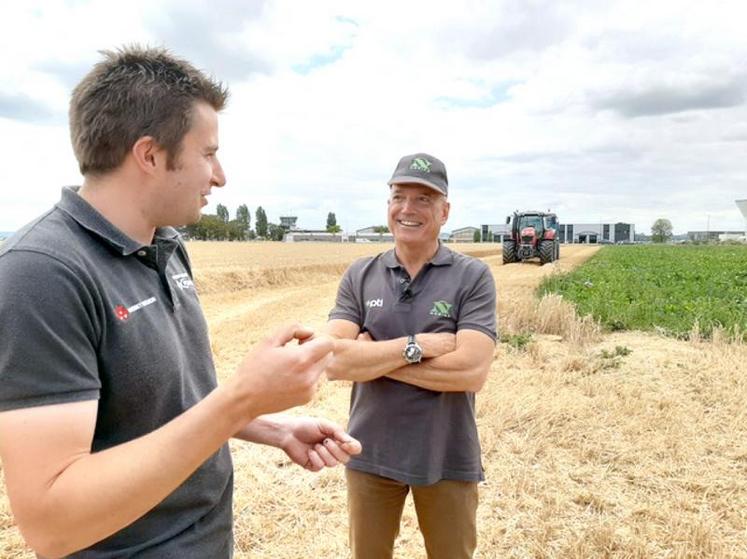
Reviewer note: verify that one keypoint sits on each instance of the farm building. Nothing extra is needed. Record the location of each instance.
(369, 234)
(295, 235)
(463, 235)
(319, 235)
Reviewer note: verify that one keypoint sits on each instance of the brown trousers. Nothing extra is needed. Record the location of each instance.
(446, 513)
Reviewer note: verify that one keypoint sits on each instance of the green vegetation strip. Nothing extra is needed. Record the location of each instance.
(670, 288)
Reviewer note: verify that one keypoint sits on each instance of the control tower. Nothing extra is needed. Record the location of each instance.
(288, 222)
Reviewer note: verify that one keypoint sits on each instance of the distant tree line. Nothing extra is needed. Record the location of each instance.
(220, 227)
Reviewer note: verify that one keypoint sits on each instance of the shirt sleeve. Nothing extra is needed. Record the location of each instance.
(478, 309)
(347, 305)
(48, 336)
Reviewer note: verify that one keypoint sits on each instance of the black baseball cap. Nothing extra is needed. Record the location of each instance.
(424, 169)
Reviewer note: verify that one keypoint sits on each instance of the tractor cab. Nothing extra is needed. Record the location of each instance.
(533, 235)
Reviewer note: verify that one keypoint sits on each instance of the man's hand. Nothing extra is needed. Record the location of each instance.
(310, 442)
(276, 376)
(315, 443)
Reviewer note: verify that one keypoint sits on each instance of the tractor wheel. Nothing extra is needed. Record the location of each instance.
(509, 252)
(546, 251)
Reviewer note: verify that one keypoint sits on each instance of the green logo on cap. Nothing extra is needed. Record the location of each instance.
(441, 308)
(420, 164)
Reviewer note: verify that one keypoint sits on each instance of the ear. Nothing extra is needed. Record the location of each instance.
(148, 155)
(445, 212)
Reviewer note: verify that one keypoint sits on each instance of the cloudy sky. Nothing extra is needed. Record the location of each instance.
(602, 111)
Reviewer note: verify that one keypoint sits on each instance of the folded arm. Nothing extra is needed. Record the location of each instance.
(462, 370)
(364, 360)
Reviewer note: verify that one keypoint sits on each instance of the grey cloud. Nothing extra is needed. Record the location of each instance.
(638, 46)
(190, 31)
(202, 33)
(686, 118)
(738, 134)
(615, 149)
(26, 109)
(742, 138)
(534, 157)
(520, 26)
(600, 152)
(665, 99)
(67, 73)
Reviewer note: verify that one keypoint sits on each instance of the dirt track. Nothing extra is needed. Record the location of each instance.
(519, 276)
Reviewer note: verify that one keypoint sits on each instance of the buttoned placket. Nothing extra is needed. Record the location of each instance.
(157, 259)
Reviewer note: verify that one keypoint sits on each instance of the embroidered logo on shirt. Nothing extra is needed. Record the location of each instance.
(378, 303)
(442, 309)
(183, 281)
(123, 313)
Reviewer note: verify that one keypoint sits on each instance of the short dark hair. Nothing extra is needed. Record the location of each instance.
(134, 92)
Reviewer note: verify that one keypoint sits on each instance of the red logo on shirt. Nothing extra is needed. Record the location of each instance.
(121, 312)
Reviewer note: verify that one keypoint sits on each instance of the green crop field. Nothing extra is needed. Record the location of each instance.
(670, 288)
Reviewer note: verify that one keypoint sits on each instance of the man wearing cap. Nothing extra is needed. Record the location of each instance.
(415, 329)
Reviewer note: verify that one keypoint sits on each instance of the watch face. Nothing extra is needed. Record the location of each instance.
(413, 353)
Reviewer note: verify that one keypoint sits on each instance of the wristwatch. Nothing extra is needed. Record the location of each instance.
(412, 353)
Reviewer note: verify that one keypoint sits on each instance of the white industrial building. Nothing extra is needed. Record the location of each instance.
(721, 236)
(308, 235)
(495, 232)
(369, 235)
(463, 234)
(596, 233)
(713, 236)
(584, 233)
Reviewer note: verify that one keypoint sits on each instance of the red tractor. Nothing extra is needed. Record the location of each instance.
(533, 235)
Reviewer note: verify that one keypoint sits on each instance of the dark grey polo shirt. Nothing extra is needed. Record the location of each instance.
(408, 433)
(88, 313)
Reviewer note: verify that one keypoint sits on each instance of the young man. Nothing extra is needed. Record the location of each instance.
(112, 429)
(414, 327)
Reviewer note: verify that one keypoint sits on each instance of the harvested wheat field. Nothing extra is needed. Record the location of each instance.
(624, 445)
